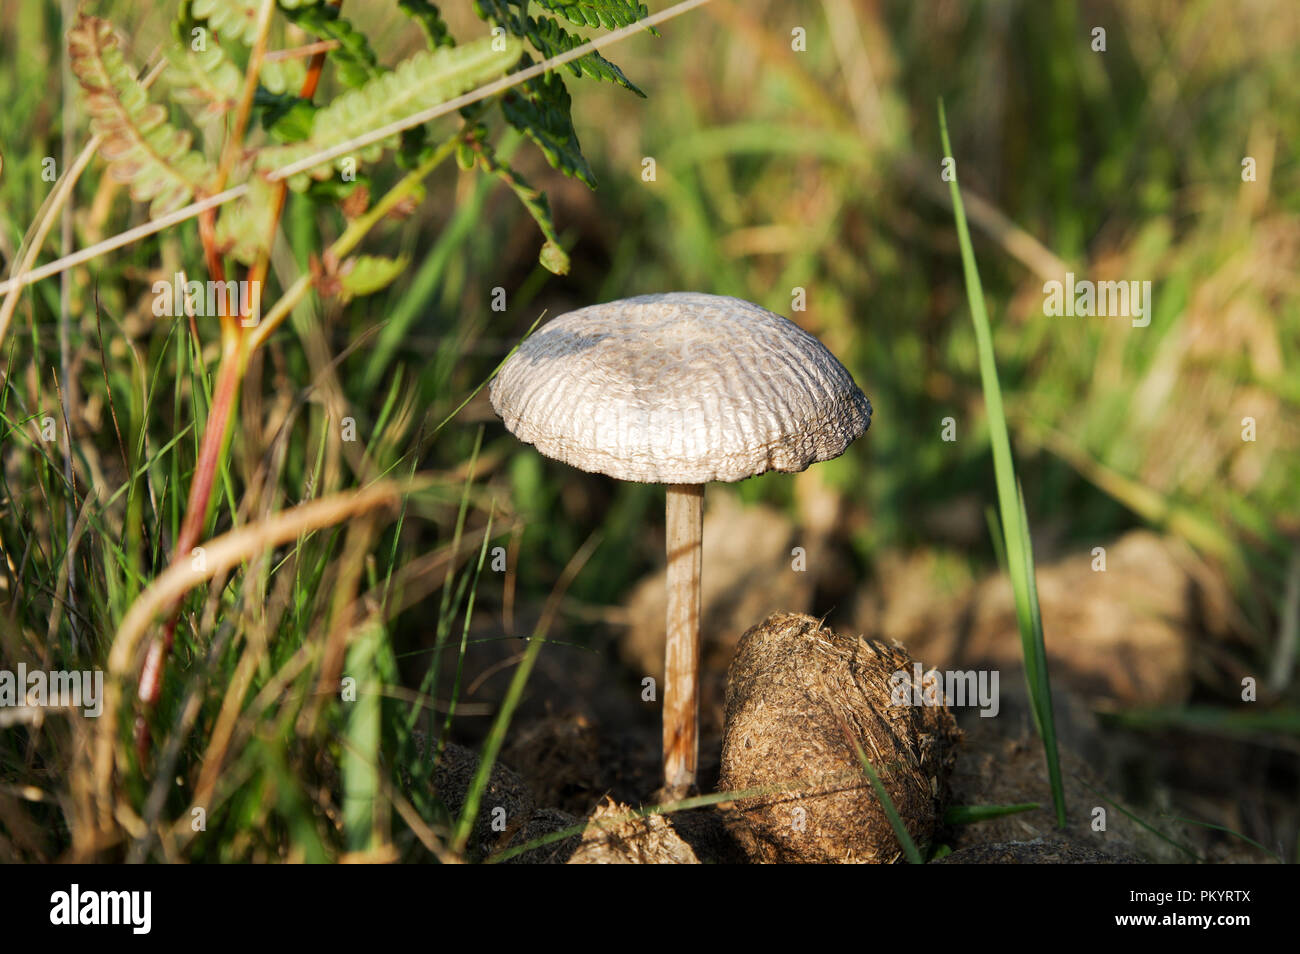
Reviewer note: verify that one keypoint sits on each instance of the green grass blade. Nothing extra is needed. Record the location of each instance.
(1015, 525)
(895, 820)
(1185, 849)
(359, 772)
(969, 814)
(464, 635)
(497, 736)
(1228, 831)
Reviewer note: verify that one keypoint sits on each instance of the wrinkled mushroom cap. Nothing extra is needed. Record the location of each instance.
(680, 388)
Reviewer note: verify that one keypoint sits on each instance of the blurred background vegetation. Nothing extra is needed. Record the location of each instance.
(775, 169)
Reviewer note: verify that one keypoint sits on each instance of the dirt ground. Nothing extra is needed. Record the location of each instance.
(1152, 630)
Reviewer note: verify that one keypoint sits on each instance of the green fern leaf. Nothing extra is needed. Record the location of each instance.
(355, 60)
(610, 14)
(367, 274)
(283, 76)
(244, 225)
(357, 64)
(229, 19)
(549, 38)
(287, 117)
(431, 22)
(206, 74)
(552, 257)
(206, 78)
(420, 82)
(141, 147)
(540, 110)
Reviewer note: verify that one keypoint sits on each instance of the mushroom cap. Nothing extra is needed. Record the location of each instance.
(679, 388)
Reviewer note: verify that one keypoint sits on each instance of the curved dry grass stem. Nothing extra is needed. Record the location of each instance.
(220, 555)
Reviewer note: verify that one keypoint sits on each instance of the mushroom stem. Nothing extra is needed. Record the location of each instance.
(685, 524)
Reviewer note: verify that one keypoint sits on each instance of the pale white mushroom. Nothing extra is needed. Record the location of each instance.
(680, 389)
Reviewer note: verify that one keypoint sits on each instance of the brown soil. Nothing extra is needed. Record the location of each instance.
(1150, 629)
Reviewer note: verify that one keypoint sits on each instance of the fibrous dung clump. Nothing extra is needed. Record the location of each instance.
(616, 835)
(804, 705)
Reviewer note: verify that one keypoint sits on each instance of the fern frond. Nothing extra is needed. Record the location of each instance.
(206, 78)
(367, 274)
(244, 225)
(357, 64)
(540, 110)
(552, 256)
(431, 22)
(549, 38)
(610, 14)
(141, 147)
(422, 81)
(355, 60)
(283, 76)
(228, 19)
(206, 72)
(236, 21)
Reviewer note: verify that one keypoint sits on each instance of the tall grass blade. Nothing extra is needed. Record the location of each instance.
(1014, 522)
(895, 820)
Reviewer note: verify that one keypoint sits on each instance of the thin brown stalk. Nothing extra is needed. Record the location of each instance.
(234, 363)
(214, 435)
(221, 555)
(235, 144)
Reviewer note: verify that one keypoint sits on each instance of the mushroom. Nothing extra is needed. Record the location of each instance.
(680, 389)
